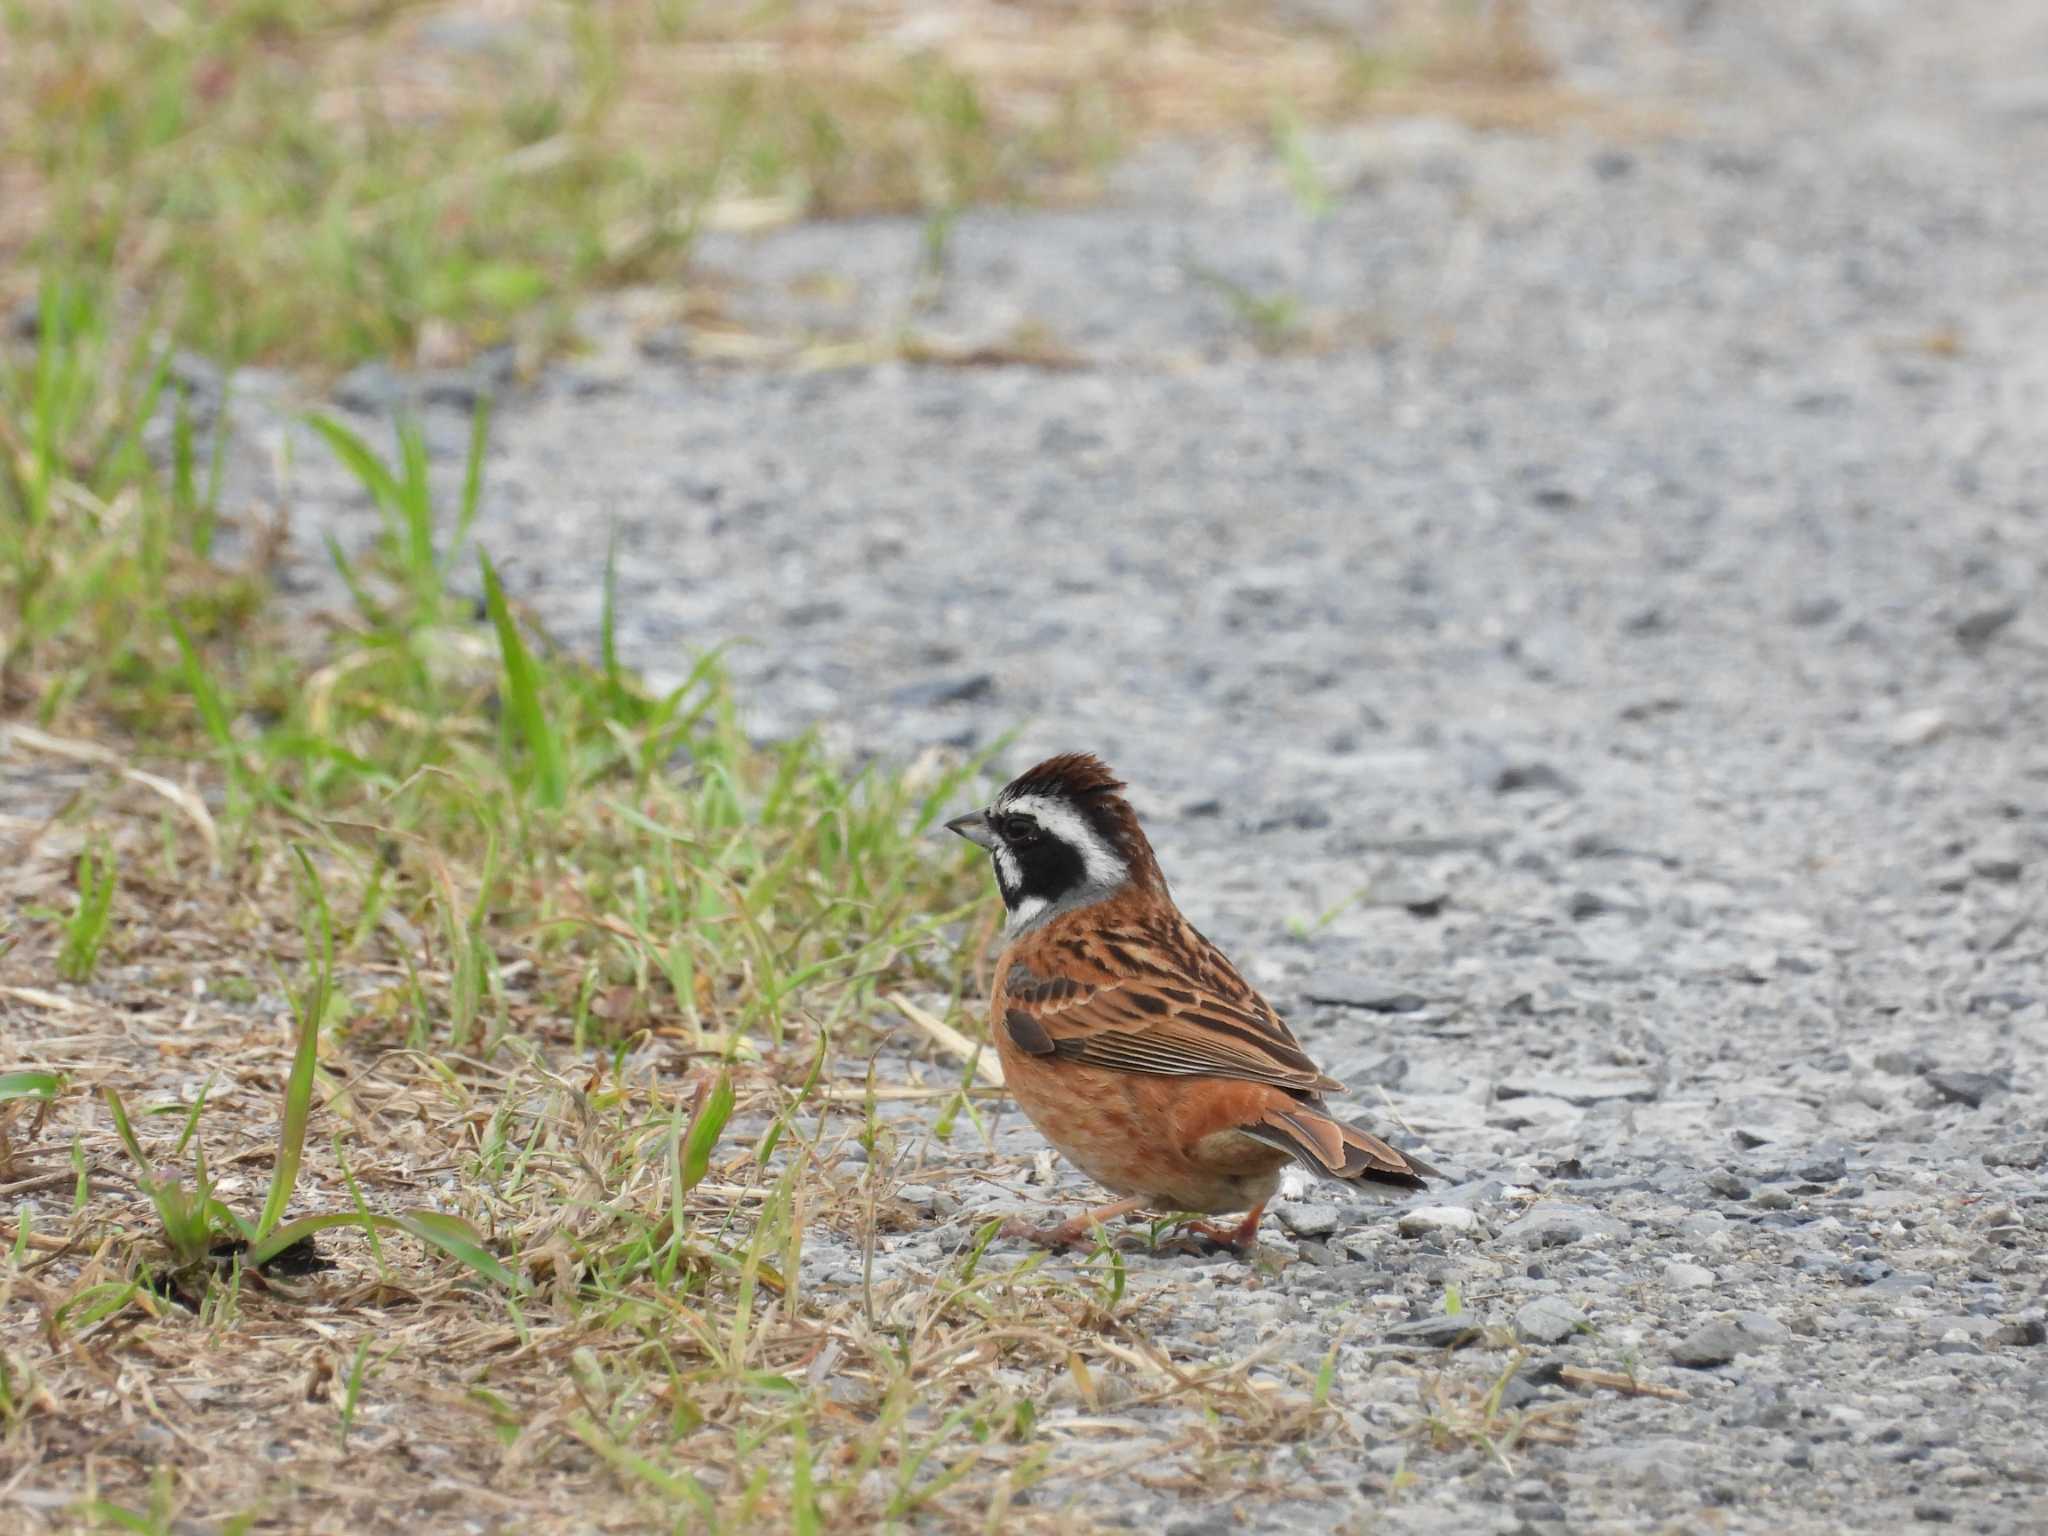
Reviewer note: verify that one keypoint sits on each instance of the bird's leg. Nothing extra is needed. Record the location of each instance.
(1075, 1232)
(1237, 1238)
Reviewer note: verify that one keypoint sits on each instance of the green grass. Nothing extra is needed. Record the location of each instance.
(85, 931)
(468, 864)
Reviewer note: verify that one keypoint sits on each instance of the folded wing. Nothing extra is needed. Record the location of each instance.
(1167, 1005)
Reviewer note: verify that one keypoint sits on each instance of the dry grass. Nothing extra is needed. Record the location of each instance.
(663, 1363)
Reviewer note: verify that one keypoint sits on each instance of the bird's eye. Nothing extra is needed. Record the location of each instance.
(1021, 829)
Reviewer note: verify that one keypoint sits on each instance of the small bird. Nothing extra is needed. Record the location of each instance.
(1130, 1041)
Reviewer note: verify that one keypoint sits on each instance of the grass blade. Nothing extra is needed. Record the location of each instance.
(126, 1133)
(29, 1085)
(308, 1009)
(362, 462)
(213, 710)
(472, 477)
(450, 1234)
(522, 696)
(705, 1129)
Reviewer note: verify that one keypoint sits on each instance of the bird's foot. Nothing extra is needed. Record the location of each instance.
(1240, 1239)
(1076, 1232)
(1062, 1234)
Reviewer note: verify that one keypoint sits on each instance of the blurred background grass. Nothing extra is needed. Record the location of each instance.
(324, 181)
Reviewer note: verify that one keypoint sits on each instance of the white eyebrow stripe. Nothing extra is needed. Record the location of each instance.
(1062, 821)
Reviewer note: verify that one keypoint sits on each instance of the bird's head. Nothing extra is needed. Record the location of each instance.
(1061, 837)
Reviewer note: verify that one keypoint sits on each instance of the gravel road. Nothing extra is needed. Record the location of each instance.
(1598, 652)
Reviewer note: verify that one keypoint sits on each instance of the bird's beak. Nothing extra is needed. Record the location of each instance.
(974, 827)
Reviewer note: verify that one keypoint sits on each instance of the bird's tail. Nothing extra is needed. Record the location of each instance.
(1337, 1150)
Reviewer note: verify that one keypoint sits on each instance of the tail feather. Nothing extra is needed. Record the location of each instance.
(1337, 1150)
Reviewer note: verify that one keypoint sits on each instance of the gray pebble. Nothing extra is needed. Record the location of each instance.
(1336, 989)
(1553, 1226)
(1435, 1332)
(1711, 1344)
(1548, 1320)
(1971, 1088)
(1309, 1218)
(1445, 1219)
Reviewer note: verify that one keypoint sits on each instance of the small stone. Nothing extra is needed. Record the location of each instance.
(1808, 612)
(1978, 629)
(937, 692)
(1957, 1342)
(2002, 864)
(1309, 1218)
(1295, 816)
(1448, 1219)
(1435, 1332)
(1581, 1089)
(1548, 1320)
(2022, 1335)
(1602, 903)
(1725, 1184)
(1415, 899)
(370, 388)
(1687, 1277)
(1824, 1170)
(1773, 1200)
(1549, 1225)
(1900, 1063)
(2021, 1154)
(1762, 1327)
(1711, 1344)
(1916, 727)
(1971, 1088)
(1513, 778)
(1336, 989)
(1389, 1071)
(1950, 877)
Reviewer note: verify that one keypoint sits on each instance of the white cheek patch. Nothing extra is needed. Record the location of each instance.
(1025, 913)
(1060, 820)
(1006, 867)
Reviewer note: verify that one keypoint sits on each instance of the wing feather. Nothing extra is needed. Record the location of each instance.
(1163, 1002)
(1337, 1149)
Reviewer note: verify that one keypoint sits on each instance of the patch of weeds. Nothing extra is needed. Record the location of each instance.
(202, 1232)
(1457, 1412)
(1275, 321)
(85, 931)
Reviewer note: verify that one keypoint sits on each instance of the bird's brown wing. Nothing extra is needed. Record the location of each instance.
(1161, 1001)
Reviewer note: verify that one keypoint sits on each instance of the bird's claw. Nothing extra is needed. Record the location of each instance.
(1059, 1235)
